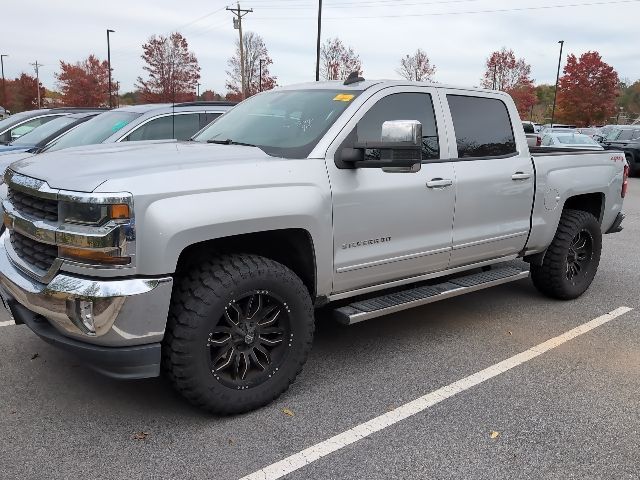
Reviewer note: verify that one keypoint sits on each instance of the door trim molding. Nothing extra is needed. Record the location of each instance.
(385, 261)
(490, 240)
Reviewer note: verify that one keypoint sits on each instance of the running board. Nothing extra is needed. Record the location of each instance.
(417, 296)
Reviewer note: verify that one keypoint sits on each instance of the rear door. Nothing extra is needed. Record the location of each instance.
(494, 181)
(390, 225)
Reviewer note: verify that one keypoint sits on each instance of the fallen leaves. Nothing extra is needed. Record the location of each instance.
(287, 412)
(494, 434)
(140, 435)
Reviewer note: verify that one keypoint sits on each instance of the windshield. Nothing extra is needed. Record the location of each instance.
(37, 135)
(282, 123)
(576, 140)
(94, 131)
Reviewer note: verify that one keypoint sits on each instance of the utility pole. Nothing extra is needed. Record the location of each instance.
(198, 92)
(37, 66)
(318, 40)
(261, 61)
(4, 86)
(237, 24)
(555, 94)
(109, 65)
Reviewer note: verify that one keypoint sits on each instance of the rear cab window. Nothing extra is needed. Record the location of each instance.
(482, 127)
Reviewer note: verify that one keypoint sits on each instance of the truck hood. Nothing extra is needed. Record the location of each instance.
(83, 169)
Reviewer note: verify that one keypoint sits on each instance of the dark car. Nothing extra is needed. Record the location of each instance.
(38, 138)
(22, 123)
(626, 139)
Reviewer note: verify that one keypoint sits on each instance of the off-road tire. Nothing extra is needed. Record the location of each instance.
(551, 278)
(199, 301)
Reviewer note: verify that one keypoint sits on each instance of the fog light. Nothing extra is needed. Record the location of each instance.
(80, 312)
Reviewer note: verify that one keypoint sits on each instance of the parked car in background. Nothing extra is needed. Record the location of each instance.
(603, 132)
(533, 138)
(590, 131)
(626, 139)
(570, 140)
(22, 123)
(38, 138)
(144, 122)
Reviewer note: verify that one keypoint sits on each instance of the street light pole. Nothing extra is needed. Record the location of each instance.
(198, 95)
(555, 94)
(4, 86)
(318, 40)
(260, 73)
(109, 66)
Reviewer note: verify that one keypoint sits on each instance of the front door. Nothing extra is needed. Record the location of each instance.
(390, 225)
(494, 182)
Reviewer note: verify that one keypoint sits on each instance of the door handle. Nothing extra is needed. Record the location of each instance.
(520, 176)
(439, 183)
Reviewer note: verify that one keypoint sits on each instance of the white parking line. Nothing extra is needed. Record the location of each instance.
(6, 324)
(322, 449)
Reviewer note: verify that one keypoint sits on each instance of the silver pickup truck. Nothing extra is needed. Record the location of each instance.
(206, 259)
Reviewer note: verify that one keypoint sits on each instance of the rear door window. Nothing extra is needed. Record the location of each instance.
(482, 127)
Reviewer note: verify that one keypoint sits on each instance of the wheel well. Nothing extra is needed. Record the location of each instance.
(290, 247)
(592, 203)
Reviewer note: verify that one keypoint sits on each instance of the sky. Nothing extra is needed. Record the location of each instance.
(458, 35)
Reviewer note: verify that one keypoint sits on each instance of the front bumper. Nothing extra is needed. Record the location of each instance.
(125, 363)
(127, 315)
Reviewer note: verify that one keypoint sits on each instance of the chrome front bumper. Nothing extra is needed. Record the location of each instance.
(125, 312)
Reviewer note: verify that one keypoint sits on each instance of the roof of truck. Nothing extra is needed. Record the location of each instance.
(365, 84)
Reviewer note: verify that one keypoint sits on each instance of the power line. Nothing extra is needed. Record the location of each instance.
(470, 12)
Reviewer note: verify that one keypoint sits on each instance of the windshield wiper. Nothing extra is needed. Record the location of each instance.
(228, 141)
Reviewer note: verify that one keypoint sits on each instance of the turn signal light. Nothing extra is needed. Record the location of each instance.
(625, 181)
(119, 211)
(92, 256)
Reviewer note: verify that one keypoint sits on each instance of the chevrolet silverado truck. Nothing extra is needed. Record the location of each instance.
(205, 260)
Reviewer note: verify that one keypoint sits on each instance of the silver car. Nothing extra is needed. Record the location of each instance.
(570, 140)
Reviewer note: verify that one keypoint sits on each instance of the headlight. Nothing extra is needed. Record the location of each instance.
(93, 213)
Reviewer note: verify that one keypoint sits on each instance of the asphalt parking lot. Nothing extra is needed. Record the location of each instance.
(570, 412)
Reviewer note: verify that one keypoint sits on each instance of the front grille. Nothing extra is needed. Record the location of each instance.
(36, 207)
(38, 254)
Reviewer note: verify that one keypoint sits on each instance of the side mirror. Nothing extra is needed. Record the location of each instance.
(400, 146)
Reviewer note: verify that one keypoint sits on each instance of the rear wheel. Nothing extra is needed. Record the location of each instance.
(572, 259)
(240, 328)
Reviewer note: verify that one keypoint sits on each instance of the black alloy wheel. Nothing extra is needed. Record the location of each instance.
(579, 256)
(251, 340)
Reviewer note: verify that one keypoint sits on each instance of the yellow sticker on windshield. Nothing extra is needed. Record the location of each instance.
(343, 97)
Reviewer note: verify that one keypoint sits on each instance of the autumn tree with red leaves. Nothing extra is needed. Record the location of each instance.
(22, 93)
(416, 67)
(210, 96)
(172, 69)
(255, 53)
(337, 61)
(587, 91)
(506, 73)
(85, 83)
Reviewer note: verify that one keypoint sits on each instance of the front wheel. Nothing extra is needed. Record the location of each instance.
(572, 259)
(240, 328)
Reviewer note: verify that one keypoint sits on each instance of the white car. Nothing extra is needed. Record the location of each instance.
(570, 139)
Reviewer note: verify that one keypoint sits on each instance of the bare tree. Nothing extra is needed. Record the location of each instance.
(337, 61)
(256, 63)
(416, 67)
